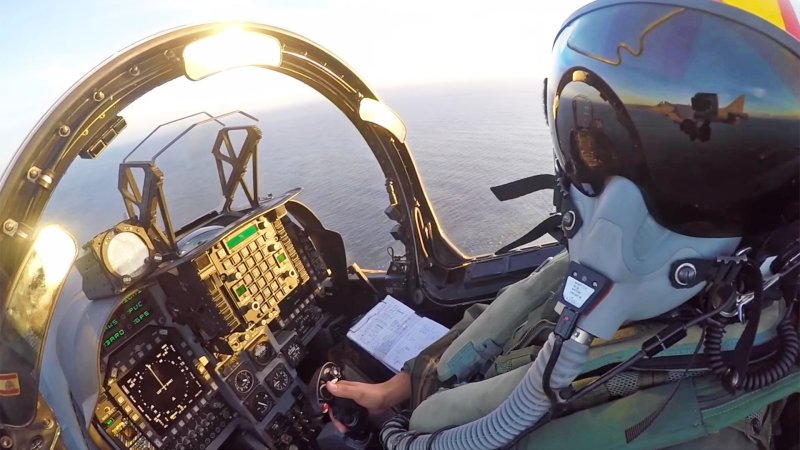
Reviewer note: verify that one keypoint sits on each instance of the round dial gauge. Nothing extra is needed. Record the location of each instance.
(261, 405)
(293, 352)
(279, 379)
(243, 381)
(262, 353)
(127, 254)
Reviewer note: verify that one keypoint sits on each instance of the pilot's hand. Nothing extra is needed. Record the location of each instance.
(368, 395)
(377, 398)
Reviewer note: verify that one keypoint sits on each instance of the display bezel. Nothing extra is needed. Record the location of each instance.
(171, 416)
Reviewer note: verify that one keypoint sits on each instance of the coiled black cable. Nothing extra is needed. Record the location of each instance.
(755, 377)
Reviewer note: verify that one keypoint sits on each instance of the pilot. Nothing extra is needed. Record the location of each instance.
(682, 262)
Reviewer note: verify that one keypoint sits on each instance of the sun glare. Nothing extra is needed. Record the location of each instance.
(56, 249)
(230, 48)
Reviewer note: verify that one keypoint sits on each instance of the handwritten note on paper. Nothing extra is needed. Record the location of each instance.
(392, 333)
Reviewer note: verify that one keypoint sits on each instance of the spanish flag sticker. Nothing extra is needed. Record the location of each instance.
(9, 384)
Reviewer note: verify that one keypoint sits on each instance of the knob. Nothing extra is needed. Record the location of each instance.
(128, 432)
(232, 276)
(273, 247)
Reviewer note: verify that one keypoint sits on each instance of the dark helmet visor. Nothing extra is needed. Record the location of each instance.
(700, 111)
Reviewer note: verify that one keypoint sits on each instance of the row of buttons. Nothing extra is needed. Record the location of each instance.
(301, 307)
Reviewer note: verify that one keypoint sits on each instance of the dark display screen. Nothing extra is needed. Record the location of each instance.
(162, 387)
(134, 312)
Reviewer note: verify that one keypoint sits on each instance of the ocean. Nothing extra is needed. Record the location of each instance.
(465, 138)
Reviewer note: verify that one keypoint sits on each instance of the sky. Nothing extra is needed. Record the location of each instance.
(48, 45)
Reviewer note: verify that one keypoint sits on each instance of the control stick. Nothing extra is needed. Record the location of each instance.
(345, 410)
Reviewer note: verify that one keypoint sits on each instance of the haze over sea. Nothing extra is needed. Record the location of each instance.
(464, 138)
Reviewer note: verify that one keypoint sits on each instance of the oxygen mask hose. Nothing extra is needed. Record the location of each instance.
(523, 408)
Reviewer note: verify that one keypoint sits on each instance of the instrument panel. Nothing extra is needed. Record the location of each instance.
(211, 342)
(157, 396)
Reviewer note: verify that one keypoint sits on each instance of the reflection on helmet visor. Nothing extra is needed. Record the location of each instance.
(701, 112)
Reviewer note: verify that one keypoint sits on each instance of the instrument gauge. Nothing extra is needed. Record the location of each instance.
(244, 381)
(293, 351)
(261, 404)
(279, 379)
(262, 353)
(127, 254)
(162, 387)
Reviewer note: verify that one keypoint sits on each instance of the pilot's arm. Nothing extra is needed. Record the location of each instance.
(377, 397)
(446, 359)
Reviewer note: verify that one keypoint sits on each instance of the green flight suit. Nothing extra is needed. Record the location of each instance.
(518, 322)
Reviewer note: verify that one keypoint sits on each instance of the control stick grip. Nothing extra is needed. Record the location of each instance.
(345, 410)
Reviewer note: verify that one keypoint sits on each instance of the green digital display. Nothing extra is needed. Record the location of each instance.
(142, 316)
(108, 342)
(133, 312)
(135, 307)
(280, 258)
(111, 324)
(130, 297)
(241, 290)
(239, 238)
